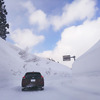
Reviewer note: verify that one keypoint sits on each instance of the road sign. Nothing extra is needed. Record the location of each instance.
(66, 58)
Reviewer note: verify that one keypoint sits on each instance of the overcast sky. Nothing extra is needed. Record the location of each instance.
(53, 28)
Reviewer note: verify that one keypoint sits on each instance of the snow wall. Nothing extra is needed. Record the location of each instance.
(88, 62)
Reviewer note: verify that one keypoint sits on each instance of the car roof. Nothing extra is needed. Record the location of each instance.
(33, 73)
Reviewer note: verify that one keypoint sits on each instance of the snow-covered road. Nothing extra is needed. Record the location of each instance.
(53, 90)
(66, 88)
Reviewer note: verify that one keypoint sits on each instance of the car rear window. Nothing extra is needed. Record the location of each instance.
(33, 75)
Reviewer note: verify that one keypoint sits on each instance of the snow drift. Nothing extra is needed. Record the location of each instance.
(86, 74)
(88, 62)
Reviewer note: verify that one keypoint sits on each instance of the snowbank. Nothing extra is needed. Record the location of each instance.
(9, 61)
(86, 74)
(89, 62)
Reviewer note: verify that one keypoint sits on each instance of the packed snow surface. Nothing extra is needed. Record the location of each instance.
(60, 83)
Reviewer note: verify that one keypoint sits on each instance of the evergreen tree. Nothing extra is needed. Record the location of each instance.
(3, 22)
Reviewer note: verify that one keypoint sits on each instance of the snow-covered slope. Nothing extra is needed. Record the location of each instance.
(9, 61)
(86, 74)
(14, 62)
(89, 62)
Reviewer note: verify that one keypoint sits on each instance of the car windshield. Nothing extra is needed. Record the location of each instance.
(33, 75)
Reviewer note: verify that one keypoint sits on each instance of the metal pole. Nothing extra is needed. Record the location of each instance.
(73, 57)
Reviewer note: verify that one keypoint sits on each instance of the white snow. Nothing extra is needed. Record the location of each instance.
(61, 83)
(14, 63)
(86, 74)
(89, 62)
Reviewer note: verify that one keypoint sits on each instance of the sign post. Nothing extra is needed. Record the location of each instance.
(68, 58)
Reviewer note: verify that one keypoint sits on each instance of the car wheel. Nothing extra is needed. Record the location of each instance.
(23, 89)
(42, 88)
